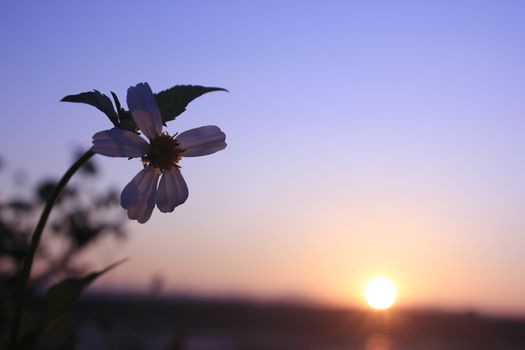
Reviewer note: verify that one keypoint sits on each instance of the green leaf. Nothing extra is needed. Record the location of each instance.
(63, 294)
(96, 99)
(58, 300)
(172, 102)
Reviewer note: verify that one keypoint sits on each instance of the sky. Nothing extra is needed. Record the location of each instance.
(365, 138)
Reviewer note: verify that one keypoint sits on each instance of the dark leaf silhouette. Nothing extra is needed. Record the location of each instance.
(58, 300)
(63, 294)
(96, 99)
(173, 101)
(125, 119)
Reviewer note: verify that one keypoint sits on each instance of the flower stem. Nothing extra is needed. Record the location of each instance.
(35, 239)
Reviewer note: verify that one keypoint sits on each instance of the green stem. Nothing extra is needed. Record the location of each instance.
(28, 261)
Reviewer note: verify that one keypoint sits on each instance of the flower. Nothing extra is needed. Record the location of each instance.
(160, 156)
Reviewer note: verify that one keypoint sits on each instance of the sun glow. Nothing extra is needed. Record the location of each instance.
(380, 293)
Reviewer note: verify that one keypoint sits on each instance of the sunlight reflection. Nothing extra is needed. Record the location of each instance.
(377, 341)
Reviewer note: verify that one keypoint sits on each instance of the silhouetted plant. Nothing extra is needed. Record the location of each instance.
(76, 222)
(78, 217)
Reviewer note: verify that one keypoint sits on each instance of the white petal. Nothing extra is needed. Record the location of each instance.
(172, 191)
(138, 197)
(202, 141)
(144, 109)
(119, 143)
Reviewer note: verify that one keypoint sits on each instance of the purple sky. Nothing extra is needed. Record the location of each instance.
(365, 138)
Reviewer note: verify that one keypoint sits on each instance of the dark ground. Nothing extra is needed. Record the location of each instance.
(131, 322)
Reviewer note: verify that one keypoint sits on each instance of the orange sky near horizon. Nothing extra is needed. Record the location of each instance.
(364, 139)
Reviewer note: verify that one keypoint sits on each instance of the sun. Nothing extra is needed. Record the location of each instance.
(380, 293)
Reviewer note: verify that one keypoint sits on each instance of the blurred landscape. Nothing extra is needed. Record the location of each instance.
(141, 322)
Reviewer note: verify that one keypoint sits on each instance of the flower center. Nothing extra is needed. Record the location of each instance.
(164, 152)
